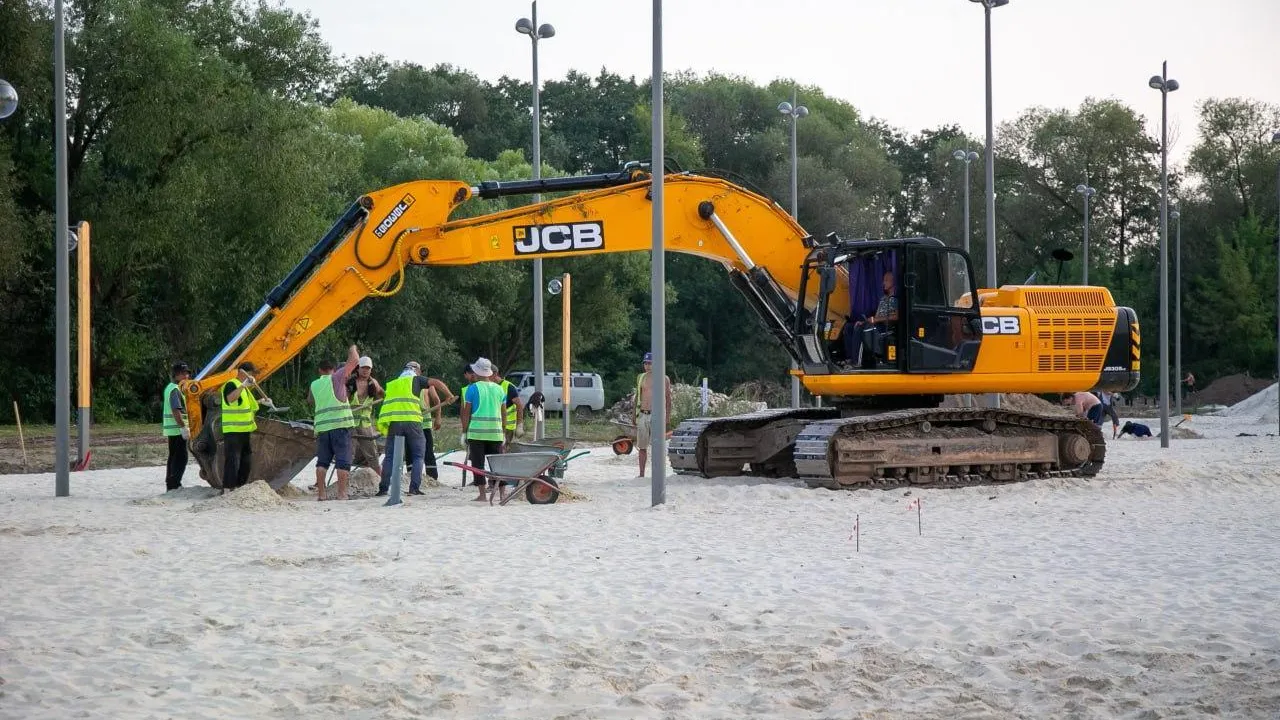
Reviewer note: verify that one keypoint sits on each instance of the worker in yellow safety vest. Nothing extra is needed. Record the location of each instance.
(173, 423)
(511, 425)
(401, 416)
(333, 422)
(483, 408)
(239, 407)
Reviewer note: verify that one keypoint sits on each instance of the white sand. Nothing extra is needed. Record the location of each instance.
(1261, 407)
(1149, 592)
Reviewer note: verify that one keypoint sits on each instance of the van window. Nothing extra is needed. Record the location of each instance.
(556, 381)
(582, 382)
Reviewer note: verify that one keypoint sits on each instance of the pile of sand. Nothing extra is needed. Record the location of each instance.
(1260, 407)
(257, 496)
(1020, 402)
(1227, 390)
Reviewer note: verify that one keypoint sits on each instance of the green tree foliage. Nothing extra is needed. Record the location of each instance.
(209, 174)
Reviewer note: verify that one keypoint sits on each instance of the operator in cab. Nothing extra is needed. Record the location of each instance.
(239, 409)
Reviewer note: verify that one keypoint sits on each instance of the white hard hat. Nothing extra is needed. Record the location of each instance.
(366, 361)
(482, 368)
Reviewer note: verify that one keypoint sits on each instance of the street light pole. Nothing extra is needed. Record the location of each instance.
(987, 5)
(794, 110)
(62, 332)
(966, 157)
(1176, 216)
(530, 27)
(1275, 140)
(658, 277)
(1165, 85)
(1087, 192)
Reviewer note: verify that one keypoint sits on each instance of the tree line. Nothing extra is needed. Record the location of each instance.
(211, 142)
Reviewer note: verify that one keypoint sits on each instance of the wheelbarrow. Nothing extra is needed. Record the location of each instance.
(529, 470)
(560, 446)
(625, 443)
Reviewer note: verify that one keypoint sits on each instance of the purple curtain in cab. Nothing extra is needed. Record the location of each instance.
(866, 285)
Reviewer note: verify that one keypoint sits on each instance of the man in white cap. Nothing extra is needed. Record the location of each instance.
(364, 392)
(483, 408)
(644, 410)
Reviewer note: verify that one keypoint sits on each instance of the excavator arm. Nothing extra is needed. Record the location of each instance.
(366, 253)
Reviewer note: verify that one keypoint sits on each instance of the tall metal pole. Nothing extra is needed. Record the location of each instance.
(658, 309)
(1164, 257)
(566, 379)
(1276, 139)
(795, 205)
(62, 343)
(966, 207)
(991, 165)
(539, 364)
(1085, 279)
(1177, 313)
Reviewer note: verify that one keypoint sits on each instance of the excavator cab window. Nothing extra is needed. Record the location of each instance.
(944, 335)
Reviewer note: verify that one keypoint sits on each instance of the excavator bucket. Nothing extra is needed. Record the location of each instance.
(281, 449)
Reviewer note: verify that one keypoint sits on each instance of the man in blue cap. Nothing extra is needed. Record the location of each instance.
(644, 411)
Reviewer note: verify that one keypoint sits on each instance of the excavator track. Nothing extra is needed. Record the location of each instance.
(927, 447)
(949, 447)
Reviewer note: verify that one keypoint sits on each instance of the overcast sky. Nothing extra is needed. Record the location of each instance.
(914, 63)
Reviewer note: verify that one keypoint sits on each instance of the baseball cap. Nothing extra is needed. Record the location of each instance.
(482, 368)
(413, 365)
(180, 367)
(366, 361)
(648, 357)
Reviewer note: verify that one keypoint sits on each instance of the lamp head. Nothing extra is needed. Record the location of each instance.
(524, 26)
(1276, 138)
(555, 286)
(802, 111)
(8, 100)
(1156, 82)
(1171, 84)
(1082, 189)
(960, 155)
(546, 30)
(784, 108)
(991, 3)
(1174, 214)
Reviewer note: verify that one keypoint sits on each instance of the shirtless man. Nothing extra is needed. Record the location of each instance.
(644, 409)
(1085, 405)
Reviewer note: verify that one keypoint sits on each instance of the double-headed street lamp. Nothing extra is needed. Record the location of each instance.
(794, 110)
(536, 32)
(1165, 85)
(966, 157)
(1087, 192)
(987, 5)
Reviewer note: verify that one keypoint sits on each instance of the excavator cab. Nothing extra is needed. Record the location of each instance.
(909, 309)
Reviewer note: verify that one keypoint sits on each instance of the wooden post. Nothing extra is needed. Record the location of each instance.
(83, 340)
(566, 380)
(22, 442)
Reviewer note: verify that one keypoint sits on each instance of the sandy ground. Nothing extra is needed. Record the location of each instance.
(1149, 592)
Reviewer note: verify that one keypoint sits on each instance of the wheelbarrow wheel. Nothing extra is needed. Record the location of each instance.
(539, 494)
(622, 445)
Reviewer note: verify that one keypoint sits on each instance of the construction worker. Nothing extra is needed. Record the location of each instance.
(644, 410)
(483, 408)
(510, 421)
(174, 424)
(432, 418)
(333, 422)
(365, 391)
(238, 423)
(401, 416)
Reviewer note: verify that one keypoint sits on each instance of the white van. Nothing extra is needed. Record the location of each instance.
(586, 393)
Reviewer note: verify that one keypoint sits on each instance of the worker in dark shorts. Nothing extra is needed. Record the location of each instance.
(1137, 430)
(483, 408)
(174, 424)
(364, 391)
(333, 422)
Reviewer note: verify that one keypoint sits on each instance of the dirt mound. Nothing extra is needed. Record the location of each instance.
(1227, 390)
(1259, 407)
(257, 496)
(1021, 402)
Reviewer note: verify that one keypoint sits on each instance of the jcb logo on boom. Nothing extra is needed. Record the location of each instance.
(1001, 325)
(394, 216)
(535, 239)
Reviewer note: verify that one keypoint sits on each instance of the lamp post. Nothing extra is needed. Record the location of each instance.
(62, 272)
(987, 5)
(8, 99)
(794, 110)
(1165, 85)
(966, 157)
(1087, 192)
(536, 32)
(658, 266)
(1275, 140)
(1176, 216)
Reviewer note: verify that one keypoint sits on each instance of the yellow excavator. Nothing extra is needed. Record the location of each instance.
(881, 330)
